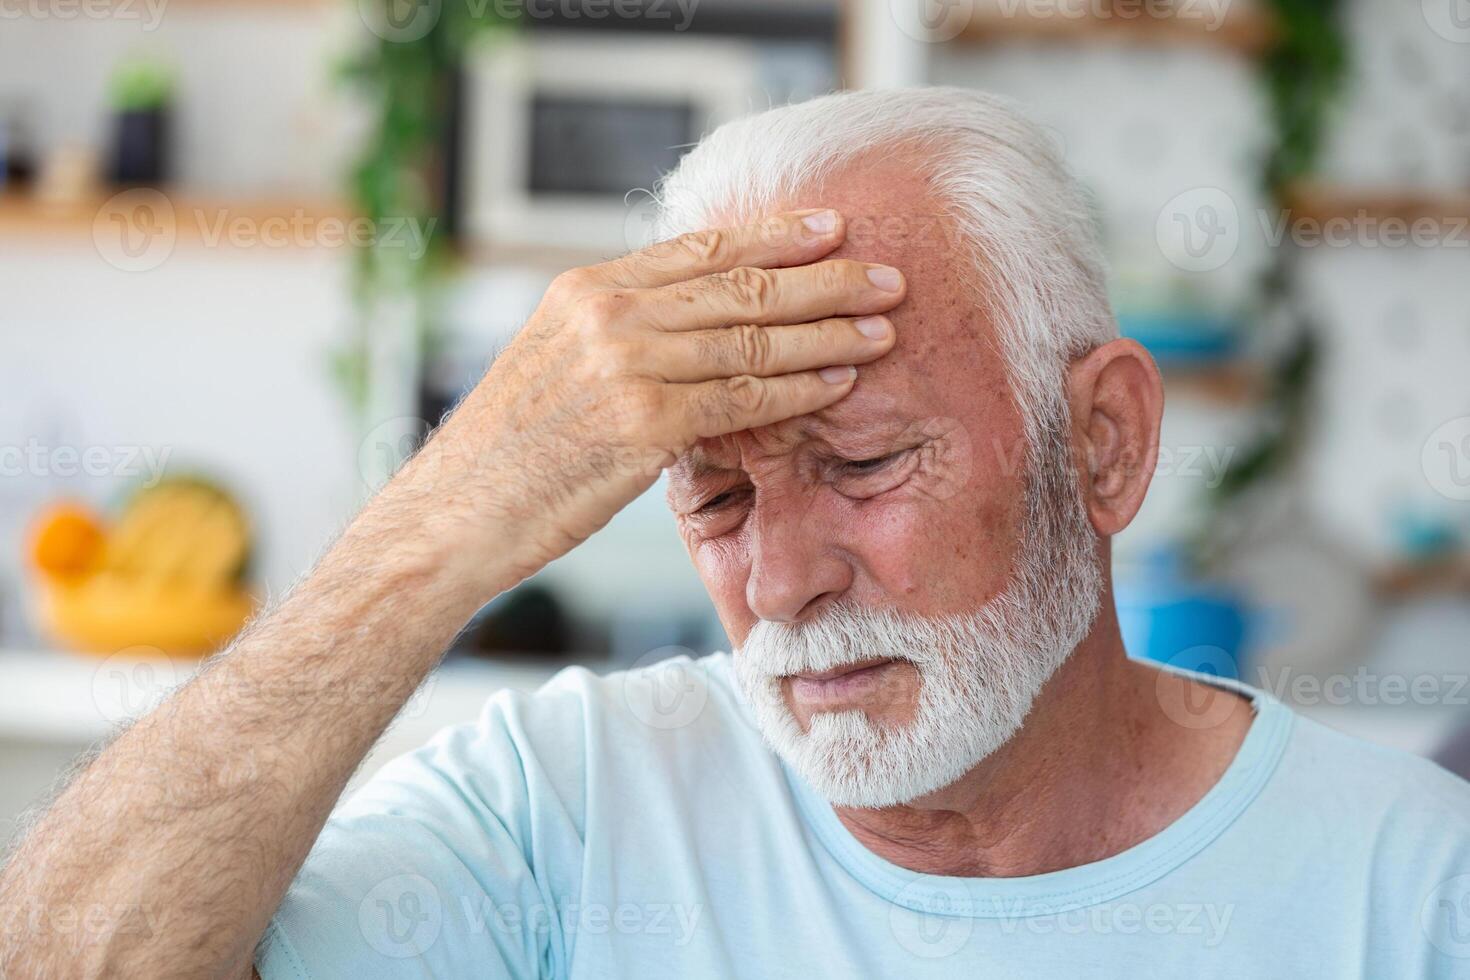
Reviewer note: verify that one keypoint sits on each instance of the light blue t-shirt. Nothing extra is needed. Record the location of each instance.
(636, 826)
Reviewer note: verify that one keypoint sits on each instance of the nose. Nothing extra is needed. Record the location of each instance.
(794, 566)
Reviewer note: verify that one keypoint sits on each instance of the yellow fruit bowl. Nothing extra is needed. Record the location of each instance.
(104, 613)
(167, 573)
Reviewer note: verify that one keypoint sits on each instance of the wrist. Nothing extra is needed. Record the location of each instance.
(449, 547)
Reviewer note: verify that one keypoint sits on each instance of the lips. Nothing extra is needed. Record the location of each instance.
(853, 685)
(843, 670)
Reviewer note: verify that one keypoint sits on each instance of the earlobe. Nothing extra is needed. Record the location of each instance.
(1117, 399)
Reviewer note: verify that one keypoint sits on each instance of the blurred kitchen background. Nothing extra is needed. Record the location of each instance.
(251, 249)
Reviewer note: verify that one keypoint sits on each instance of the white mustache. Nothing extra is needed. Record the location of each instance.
(842, 635)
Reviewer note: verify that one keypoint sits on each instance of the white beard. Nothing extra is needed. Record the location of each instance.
(979, 672)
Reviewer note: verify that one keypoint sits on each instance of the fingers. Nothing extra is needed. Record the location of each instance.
(717, 408)
(705, 355)
(836, 287)
(794, 238)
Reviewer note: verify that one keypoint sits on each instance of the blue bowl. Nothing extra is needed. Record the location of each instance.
(1200, 630)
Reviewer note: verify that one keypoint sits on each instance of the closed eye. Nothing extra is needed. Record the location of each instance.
(862, 479)
(718, 501)
(870, 465)
(715, 503)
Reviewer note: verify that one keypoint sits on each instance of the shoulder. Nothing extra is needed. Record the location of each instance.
(1394, 829)
(651, 723)
(1374, 779)
(1394, 822)
(1339, 780)
(644, 707)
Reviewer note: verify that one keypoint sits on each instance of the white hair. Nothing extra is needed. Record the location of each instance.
(1024, 227)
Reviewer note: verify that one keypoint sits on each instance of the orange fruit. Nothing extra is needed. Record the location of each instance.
(66, 540)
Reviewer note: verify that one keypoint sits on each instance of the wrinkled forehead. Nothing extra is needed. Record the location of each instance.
(945, 362)
(893, 216)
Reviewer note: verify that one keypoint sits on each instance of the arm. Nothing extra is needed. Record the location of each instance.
(190, 826)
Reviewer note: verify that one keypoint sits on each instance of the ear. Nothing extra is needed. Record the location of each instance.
(1117, 400)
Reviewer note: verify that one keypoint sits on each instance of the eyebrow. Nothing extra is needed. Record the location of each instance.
(696, 464)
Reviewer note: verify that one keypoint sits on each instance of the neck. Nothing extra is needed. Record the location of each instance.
(1097, 767)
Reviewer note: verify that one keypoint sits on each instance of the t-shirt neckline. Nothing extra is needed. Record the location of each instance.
(1056, 892)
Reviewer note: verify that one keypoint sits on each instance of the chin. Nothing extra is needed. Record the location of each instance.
(853, 758)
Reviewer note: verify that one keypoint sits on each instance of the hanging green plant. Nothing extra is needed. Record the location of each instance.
(406, 75)
(1303, 73)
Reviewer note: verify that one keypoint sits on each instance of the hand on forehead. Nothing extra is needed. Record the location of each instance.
(944, 362)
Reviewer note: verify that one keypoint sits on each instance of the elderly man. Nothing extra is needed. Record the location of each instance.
(900, 431)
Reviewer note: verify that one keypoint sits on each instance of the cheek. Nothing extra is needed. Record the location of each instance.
(930, 556)
(723, 565)
(936, 556)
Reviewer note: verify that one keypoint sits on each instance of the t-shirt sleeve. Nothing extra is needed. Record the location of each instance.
(467, 850)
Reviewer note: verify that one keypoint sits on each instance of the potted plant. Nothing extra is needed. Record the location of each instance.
(139, 95)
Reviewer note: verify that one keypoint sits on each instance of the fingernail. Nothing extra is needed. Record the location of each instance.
(838, 375)
(885, 277)
(823, 222)
(873, 327)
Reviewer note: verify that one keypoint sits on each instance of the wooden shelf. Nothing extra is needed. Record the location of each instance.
(1230, 383)
(194, 220)
(1246, 30)
(1323, 202)
(1443, 576)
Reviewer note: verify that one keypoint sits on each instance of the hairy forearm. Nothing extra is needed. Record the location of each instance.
(173, 848)
(187, 830)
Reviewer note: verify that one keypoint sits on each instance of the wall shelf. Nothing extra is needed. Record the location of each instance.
(1226, 383)
(1444, 576)
(194, 220)
(1318, 201)
(1243, 29)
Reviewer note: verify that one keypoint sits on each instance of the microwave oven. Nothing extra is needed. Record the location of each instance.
(565, 135)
